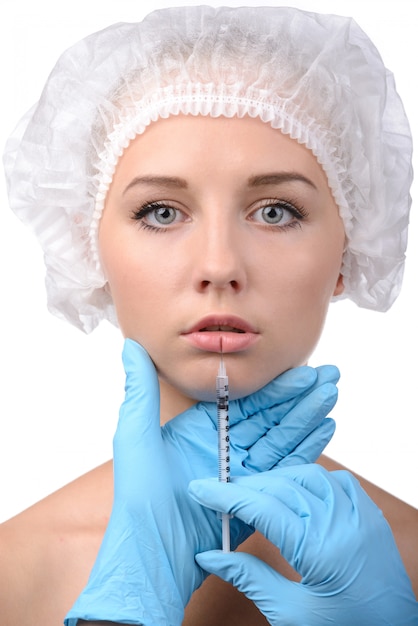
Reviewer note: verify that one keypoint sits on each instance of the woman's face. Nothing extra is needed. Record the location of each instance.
(220, 231)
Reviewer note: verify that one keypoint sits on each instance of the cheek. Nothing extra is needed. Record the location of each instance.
(132, 277)
(306, 271)
(122, 269)
(302, 294)
(320, 271)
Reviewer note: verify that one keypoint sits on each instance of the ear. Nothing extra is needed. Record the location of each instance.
(339, 287)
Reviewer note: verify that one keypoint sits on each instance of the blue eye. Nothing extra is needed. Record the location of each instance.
(157, 215)
(272, 214)
(164, 215)
(278, 213)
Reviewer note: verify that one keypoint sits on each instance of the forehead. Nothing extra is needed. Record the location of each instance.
(186, 145)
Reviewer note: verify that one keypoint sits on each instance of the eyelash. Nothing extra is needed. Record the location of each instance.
(292, 206)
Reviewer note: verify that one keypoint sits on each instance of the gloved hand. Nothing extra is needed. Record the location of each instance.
(145, 572)
(332, 534)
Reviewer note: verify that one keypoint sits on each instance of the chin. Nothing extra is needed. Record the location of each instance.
(208, 394)
(198, 383)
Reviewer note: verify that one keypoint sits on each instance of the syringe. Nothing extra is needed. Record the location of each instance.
(222, 399)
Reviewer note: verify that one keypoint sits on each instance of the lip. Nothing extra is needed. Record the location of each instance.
(219, 338)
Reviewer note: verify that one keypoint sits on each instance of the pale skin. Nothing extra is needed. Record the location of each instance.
(249, 189)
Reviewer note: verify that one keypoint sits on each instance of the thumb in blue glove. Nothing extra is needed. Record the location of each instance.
(332, 534)
(145, 572)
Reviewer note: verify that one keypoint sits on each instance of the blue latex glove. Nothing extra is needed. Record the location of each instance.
(332, 534)
(146, 572)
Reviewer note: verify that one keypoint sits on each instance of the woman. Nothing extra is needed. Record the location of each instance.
(257, 158)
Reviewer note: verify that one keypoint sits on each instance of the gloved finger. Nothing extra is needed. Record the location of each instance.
(275, 596)
(327, 374)
(310, 449)
(247, 431)
(139, 420)
(295, 426)
(285, 387)
(311, 480)
(317, 480)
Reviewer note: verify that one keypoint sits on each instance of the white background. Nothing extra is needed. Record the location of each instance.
(60, 390)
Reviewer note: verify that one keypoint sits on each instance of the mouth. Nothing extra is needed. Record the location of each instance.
(222, 334)
(225, 323)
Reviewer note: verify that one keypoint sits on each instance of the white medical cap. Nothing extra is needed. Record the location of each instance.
(317, 78)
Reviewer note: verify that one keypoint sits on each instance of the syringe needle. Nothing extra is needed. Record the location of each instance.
(222, 370)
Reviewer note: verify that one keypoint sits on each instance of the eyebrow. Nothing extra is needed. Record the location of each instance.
(279, 178)
(160, 181)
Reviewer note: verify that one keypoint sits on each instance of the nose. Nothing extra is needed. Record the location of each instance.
(219, 260)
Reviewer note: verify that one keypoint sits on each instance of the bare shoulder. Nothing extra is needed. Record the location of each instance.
(48, 550)
(402, 517)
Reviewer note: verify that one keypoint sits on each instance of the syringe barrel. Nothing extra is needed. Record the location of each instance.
(222, 401)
